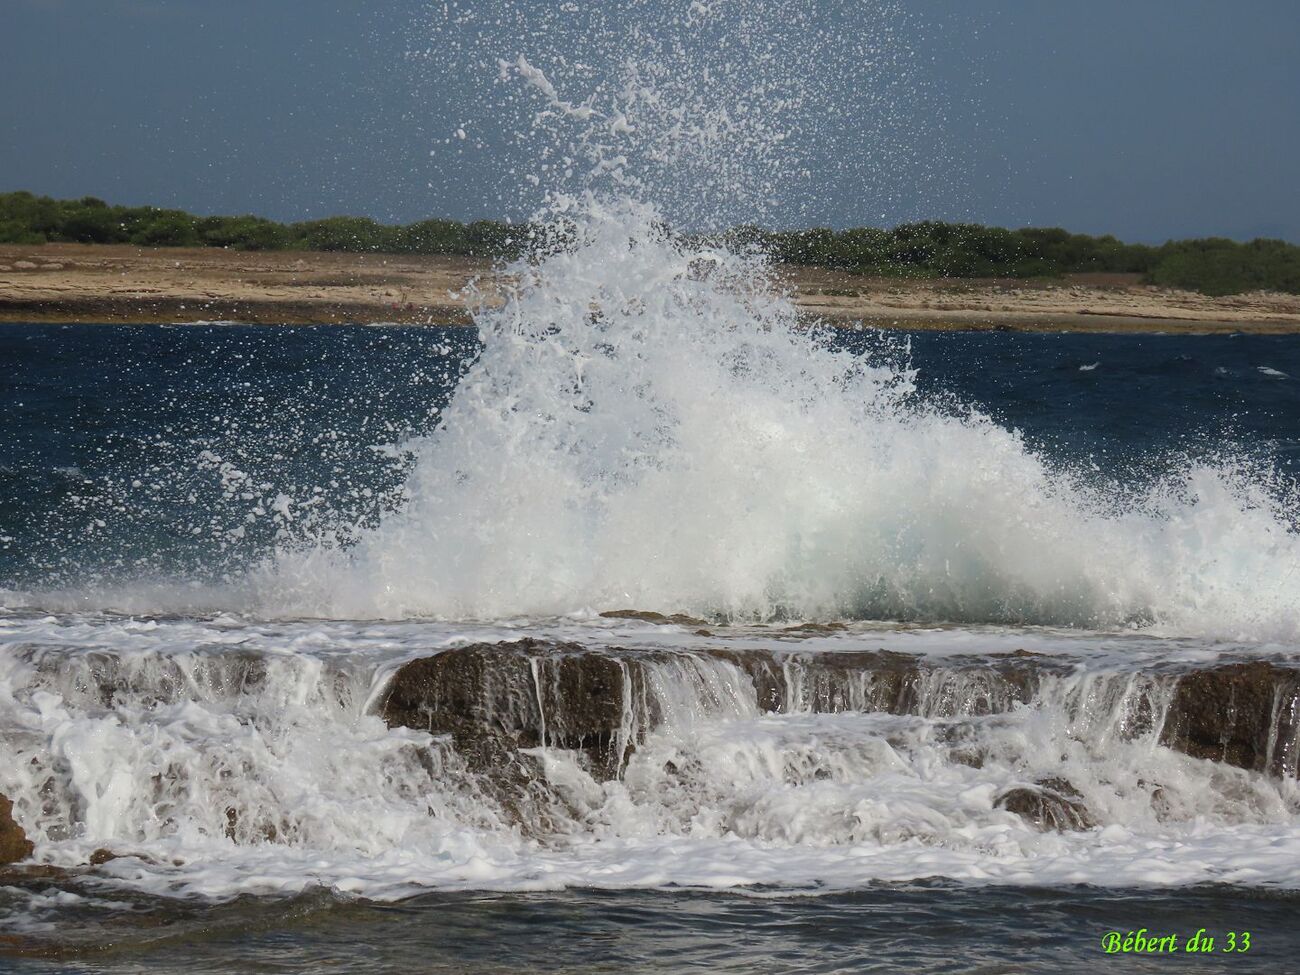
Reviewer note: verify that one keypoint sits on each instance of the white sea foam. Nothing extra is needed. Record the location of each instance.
(230, 756)
(650, 425)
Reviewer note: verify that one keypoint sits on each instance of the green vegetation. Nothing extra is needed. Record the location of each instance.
(1215, 265)
(29, 219)
(930, 249)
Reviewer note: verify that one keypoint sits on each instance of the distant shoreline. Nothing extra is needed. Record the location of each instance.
(125, 284)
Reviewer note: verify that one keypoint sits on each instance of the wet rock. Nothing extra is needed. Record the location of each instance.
(764, 671)
(14, 844)
(1049, 804)
(498, 702)
(1160, 803)
(816, 629)
(24, 874)
(109, 680)
(495, 698)
(831, 682)
(970, 757)
(975, 691)
(1247, 715)
(646, 616)
(856, 681)
(881, 681)
(104, 855)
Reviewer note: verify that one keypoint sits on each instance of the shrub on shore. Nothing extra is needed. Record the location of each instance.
(936, 249)
(1217, 266)
(927, 249)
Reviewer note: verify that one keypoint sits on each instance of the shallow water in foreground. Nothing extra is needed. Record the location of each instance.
(921, 928)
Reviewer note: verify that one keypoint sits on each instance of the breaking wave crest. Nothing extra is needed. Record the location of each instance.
(650, 424)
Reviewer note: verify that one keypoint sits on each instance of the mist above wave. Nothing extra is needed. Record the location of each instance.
(650, 424)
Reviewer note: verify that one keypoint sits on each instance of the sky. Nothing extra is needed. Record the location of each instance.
(1150, 120)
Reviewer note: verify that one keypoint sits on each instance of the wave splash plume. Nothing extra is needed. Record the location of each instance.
(650, 425)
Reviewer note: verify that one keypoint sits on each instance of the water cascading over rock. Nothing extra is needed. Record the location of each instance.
(501, 703)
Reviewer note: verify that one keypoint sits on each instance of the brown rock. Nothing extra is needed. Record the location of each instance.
(104, 855)
(1247, 715)
(496, 701)
(881, 680)
(764, 670)
(648, 616)
(860, 680)
(14, 844)
(1049, 804)
(970, 757)
(491, 697)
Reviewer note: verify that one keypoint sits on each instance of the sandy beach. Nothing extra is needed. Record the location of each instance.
(122, 283)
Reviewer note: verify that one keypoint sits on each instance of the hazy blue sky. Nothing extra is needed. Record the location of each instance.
(1147, 119)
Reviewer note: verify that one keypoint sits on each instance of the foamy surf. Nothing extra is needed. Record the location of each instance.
(650, 424)
(226, 757)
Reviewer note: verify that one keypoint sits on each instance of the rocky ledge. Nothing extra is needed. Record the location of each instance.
(497, 702)
(1245, 714)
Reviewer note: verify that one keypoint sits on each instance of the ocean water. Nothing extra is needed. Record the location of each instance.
(925, 927)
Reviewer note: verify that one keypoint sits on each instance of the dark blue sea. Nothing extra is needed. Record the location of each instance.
(112, 433)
